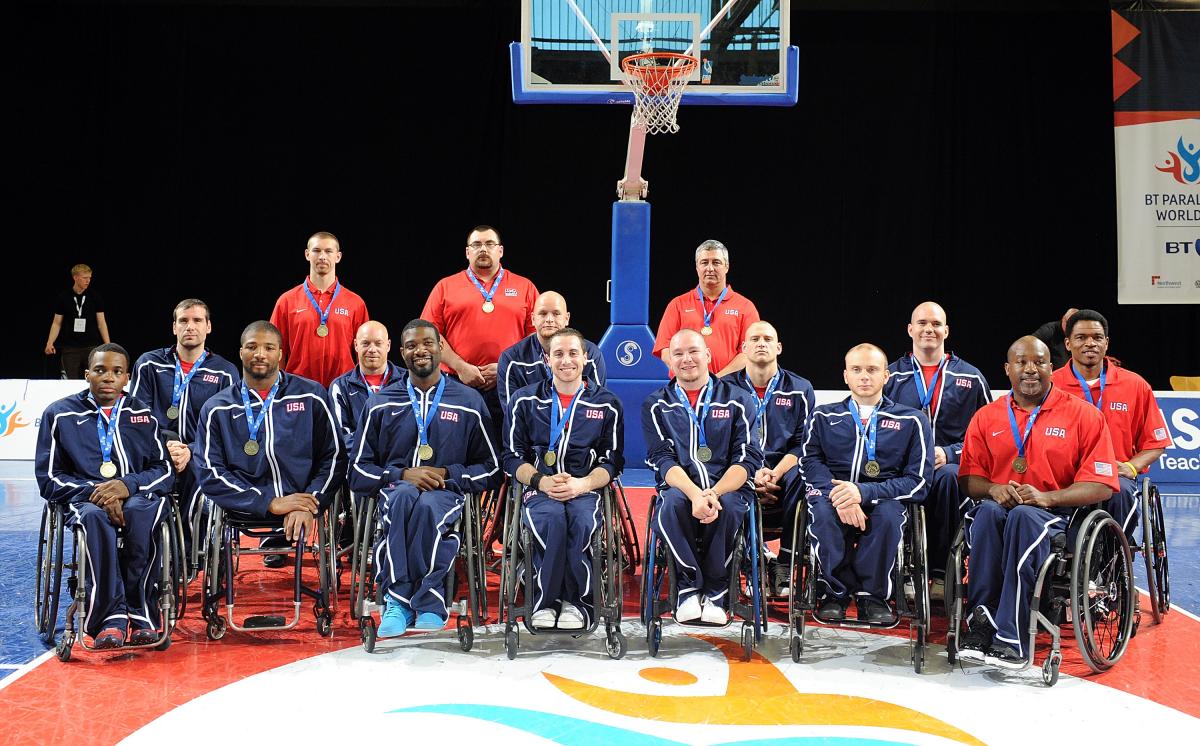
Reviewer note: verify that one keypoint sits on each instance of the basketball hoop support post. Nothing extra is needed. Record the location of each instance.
(633, 187)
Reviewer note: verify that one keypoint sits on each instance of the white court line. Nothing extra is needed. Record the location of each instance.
(26, 668)
(11, 665)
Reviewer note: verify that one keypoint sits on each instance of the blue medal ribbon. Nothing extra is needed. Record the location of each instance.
(1021, 440)
(423, 422)
(868, 431)
(106, 427)
(387, 372)
(704, 405)
(182, 381)
(762, 403)
(708, 315)
(1087, 390)
(337, 288)
(252, 422)
(487, 294)
(926, 394)
(560, 418)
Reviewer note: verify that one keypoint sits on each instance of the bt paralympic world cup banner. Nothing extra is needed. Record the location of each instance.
(1156, 103)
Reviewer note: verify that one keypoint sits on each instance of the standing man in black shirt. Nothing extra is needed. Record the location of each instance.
(85, 324)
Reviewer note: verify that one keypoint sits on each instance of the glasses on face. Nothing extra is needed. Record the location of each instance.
(477, 245)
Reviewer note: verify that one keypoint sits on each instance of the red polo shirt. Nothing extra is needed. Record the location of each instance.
(1069, 443)
(1134, 420)
(305, 354)
(455, 307)
(730, 321)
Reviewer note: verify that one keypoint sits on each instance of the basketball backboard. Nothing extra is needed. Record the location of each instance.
(571, 50)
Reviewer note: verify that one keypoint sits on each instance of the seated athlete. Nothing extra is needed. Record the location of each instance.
(563, 439)
(865, 459)
(374, 372)
(100, 455)
(422, 447)
(699, 441)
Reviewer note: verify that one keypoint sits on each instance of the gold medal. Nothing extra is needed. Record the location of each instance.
(549, 458)
(108, 470)
(488, 306)
(425, 452)
(322, 331)
(172, 412)
(872, 468)
(706, 331)
(251, 448)
(1020, 464)
(703, 454)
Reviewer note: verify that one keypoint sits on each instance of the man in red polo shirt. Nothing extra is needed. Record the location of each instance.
(481, 312)
(713, 309)
(318, 318)
(1028, 461)
(1139, 433)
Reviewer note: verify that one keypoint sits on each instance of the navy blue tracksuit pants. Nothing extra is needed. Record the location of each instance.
(686, 537)
(123, 583)
(418, 545)
(782, 514)
(945, 506)
(561, 547)
(851, 562)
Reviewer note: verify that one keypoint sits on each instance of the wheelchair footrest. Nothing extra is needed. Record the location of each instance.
(261, 620)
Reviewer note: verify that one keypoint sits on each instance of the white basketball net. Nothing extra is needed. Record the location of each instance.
(658, 82)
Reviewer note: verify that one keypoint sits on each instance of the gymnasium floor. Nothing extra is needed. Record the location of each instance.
(850, 688)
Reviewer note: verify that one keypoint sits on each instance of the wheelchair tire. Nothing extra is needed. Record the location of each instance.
(747, 641)
(797, 648)
(511, 641)
(325, 624)
(215, 628)
(1154, 551)
(918, 651)
(1050, 668)
(654, 637)
(1102, 591)
(49, 574)
(366, 632)
(63, 648)
(466, 634)
(614, 643)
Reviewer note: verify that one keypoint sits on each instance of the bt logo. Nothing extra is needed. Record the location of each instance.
(1182, 247)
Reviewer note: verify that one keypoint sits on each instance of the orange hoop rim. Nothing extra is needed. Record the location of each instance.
(630, 66)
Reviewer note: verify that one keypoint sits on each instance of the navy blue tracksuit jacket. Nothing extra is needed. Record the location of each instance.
(524, 364)
(350, 392)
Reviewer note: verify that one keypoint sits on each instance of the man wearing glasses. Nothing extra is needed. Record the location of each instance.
(480, 312)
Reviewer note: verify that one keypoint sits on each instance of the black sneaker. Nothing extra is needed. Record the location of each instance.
(781, 577)
(832, 609)
(1005, 656)
(977, 639)
(874, 611)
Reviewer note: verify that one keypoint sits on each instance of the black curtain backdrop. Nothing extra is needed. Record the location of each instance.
(189, 149)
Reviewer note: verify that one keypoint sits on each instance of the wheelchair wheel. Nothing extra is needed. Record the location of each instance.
(920, 580)
(63, 648)
(366, 632)
(325, 624)
(796, 647)
(953, 594)
(360, 558)
(1154, 551)
(614, 642)
(49, 573)
(747, 641)
(215, 629)
(466, 634)
(512, 640)
(630, 547)
(654, 636)
(1050, 668)
(1102, 591)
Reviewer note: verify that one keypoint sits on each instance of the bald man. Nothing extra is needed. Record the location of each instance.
(374, 373)
(699, 439)
(524, 363)
(949, 390)
(865, 459)
(783, 403)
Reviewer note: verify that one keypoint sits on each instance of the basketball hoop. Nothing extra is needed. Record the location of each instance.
(658, 80)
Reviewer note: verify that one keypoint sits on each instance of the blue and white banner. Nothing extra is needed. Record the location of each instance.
(1180, 464)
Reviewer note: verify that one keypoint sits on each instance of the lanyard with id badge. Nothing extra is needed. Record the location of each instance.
(80, 325)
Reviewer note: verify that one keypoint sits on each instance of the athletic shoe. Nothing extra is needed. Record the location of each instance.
(543, 619)
(1005, 656)
(689, 610)
(832, 609)
(109, 638)
(395, 620)
(973, 643)
(874, 611)
(429, 621)
(570, 617)
(143, 637)
(712, 613)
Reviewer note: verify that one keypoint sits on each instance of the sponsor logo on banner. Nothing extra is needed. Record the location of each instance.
(1182, 247)
(1158, 282)
(1183, 163)
(11, 419)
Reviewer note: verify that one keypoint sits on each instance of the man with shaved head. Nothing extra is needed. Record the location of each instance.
(374, 373)
(865, 458)
(949, 390)
(699, 439)
(1029, 460)
(525, 363)
(783, 402)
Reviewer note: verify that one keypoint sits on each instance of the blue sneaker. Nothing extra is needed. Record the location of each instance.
(427, 620)
(395, 620)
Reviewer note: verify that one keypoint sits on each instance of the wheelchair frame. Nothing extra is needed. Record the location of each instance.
(367, 595)
(658, 568)
(222, 557)
(1062, 576)
(1154, 550)
(607, 567)
(49, 572)
(912, 567)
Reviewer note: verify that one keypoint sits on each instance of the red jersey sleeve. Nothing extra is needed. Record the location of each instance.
(976, 458)
(434, 307)
(667, 327)
(1153, 432)
(279, 319)
(1096, 462)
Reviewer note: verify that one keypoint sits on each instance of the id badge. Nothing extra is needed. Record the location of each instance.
(80, 326)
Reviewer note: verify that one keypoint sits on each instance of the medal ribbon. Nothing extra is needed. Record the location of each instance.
(252, 422)
(487, 294)
(704, 405)
(926, 394)
(1020, 441)
(762, 403)
(1087, 390)
(106, 428)
(181, 381)
(559, 418)
(337, 288)
(868, 431)
(387, 374)
(423, 423)
(709, 314)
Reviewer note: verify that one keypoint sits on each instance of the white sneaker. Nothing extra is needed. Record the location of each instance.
(689, 610)
(714, 614)
(570, 617)
(543, 619)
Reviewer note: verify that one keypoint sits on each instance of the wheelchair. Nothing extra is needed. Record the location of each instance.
(910, 579)
(223, 555)
(49, 575)
(1153, 548)
(747, 595)
(516, 569)
(367, 594)
(1090, 581)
